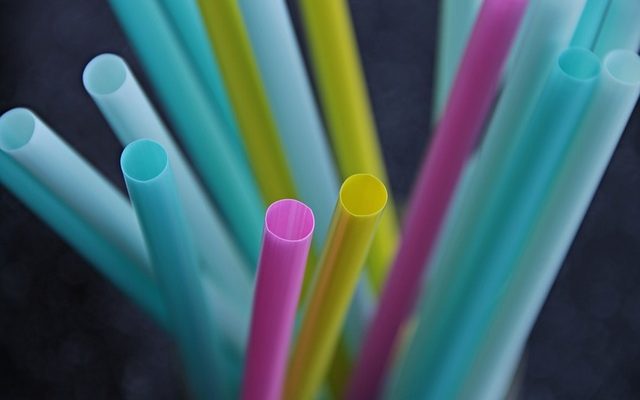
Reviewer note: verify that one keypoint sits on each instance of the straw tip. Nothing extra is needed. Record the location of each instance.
(104, 74)
(363, 195)
(143, 160)
(16, 128)
(290, 220)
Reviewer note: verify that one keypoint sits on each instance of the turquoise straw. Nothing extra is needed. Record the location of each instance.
(154, 195)
(456, 311)
(226, 176)
(590, 23)
(455, 22)
(116, 265)
(620, 28)
(121, 100)
(184, 16)
(574, 187)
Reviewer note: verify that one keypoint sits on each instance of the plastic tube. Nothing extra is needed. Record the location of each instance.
(230, 40)
(226, 176)
(187, 22)
(346, 107)
(361, 202)
(620, 28)
(121, 100)
(550, 240)
(467, 108)
(454, 27)
(290, 95)
(455, 312)
(590, 23)
(288, 230)
(147, 172)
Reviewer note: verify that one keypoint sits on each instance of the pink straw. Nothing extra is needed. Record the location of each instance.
(473, 91)
(287, 235)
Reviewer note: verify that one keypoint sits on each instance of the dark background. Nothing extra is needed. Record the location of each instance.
(67, 333)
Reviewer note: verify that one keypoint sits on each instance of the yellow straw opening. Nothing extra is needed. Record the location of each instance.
(363, 195)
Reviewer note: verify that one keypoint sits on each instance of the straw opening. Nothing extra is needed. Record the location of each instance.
(579, 64)
(16, 128)
(104, 74)
(289, 220)
(624, 66)
(363, 195)
(143, 160)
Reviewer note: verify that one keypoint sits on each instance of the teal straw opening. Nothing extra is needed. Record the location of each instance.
(16, 128)
(579, 64)
(623, 66)
(144, 160)
(104, 74)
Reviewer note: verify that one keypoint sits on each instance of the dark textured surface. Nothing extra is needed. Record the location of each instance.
(67, 333)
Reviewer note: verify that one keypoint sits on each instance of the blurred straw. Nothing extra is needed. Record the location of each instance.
(288, 230)
(358, 210)
(225, 175)
(242, 79)
(467, 108)
(590, 23)
(620, 28)
(576, 182)
(460, 300)
(154, 195)
(345, 102)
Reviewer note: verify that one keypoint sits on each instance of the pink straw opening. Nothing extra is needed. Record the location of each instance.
(289, 220)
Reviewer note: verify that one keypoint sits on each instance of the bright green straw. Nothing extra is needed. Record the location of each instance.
(457, 309)
(620, 28)
(225, 175)
(154, 195)
(454, 27)
(186, 20)
(574, 187)
(590, 23)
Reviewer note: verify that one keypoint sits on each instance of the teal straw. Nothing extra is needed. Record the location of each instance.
(456, 310)
(185, 18)
(226, 176)
(116, 265)
(455, 23)
(574, 187)
(590, 23)
(123, 103)
(154, 195)
(620, 28)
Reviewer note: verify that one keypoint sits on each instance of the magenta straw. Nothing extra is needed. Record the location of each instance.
(474, 89)
(288, 230)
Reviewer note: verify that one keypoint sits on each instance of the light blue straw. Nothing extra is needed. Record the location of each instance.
(620, 28)
(590, 23)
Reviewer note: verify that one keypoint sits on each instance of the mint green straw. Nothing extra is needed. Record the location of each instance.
(456, 310)
(576, 183)
(590, 23)
(455, 22)
(117, 93)
(620, 28)
(154, 195)
(225, 175)
(184, 16)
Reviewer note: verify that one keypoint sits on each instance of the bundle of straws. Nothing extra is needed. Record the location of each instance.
(329, 296)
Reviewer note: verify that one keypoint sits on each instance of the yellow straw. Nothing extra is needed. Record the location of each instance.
(361, 202)
(345, 102)
(248, 98)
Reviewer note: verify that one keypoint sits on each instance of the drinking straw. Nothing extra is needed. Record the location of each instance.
(184, 16)
(114, 88)
(226, 176)
(229, 38)
(288, 229)
(116, 265)
(454, 27)
(590, 23)
(470, 99)
(460, 301)
(576, 183)
(346, 107)
(620, 28)
(154, 195)
(361, 202)
(290, 95)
